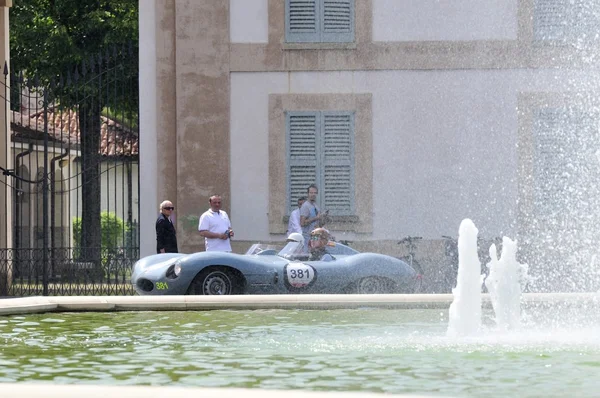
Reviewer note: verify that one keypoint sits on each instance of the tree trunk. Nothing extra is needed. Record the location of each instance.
(89, 125)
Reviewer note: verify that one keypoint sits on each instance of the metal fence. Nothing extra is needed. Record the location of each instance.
(70, 179)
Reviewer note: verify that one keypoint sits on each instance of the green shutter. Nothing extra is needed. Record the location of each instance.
(302, 153)
(337, 21)
(337, 169)
(302, 21)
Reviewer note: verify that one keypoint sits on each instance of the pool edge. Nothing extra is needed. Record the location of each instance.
(41, 304)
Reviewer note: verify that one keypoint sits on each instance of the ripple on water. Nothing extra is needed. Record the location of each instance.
(369, 350)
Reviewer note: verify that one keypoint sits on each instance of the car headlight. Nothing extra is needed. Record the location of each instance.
(173, 271)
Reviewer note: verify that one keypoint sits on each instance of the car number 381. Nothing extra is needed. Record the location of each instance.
(298, 275)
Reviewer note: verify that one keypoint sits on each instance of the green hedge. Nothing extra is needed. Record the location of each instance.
(112, 228)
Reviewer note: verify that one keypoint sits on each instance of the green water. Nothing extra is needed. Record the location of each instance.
(368, 350)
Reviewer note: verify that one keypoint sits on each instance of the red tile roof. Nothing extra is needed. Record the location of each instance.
(63, 126)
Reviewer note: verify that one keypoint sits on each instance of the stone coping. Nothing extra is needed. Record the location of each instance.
(27, 305)
(23, 390)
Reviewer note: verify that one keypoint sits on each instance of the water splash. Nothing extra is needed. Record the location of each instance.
(506, 280)
(465, 310)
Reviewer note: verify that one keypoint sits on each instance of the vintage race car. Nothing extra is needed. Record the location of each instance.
(265, 270)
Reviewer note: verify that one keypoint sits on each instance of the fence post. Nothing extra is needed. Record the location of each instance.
(45, 199)
(6, 266)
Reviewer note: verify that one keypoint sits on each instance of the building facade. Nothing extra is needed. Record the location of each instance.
(410, 116)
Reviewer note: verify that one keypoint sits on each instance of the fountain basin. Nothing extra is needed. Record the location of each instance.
(380, 343)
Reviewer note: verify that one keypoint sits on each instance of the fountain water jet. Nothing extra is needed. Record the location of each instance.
(505, 283)
(465, 310)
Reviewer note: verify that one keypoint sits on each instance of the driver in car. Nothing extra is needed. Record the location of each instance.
(295, 237)
(319, 238)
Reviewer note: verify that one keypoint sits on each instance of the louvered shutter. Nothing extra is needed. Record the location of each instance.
(567, 21)
(337, 21)
(302, 21)
(550, 20)
(566, 171)
(337, 194)
(302, 132)
(550, 158)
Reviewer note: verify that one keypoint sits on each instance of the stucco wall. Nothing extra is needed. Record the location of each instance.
(444, 145)
(251, 21)
(408, 20)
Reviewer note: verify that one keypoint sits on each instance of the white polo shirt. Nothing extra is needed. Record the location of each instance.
(217, 222)
(294, 223)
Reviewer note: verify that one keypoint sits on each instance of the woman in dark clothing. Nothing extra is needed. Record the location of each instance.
(166, 237)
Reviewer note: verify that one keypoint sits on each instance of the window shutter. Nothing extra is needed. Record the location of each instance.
(566, 171)
(550, 20)
(549, 160)
(338, 163)
(566, 21)
(302, 131)
(302, 23)
(337, 21)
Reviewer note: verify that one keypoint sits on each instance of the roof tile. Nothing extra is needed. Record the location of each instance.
(116, 139)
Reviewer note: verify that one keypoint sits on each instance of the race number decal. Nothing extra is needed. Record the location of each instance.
(299, 276)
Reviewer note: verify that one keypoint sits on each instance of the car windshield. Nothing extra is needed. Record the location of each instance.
(259, 247)
(291, 248)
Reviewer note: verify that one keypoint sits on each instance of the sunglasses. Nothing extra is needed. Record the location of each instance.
(315, 237)
(169, 208)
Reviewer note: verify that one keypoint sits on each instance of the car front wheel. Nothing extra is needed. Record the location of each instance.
(214, 282)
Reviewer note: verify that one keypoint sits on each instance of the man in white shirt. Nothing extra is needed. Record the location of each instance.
(294, 223)
(215, 227)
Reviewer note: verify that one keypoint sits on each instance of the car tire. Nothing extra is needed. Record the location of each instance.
(374, 285)
(214, 281)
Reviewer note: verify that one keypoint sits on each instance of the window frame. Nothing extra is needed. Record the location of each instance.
(362, 105)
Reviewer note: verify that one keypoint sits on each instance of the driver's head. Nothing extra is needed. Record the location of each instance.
(295, 237)
(318, 238)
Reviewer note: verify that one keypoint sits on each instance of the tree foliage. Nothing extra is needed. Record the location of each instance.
(48, 37)
(96, 42)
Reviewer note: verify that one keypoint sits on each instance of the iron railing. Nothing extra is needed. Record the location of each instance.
(70, 179)
(65, 273)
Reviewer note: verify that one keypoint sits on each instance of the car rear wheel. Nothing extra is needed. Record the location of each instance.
(213, 282)
(374, 285)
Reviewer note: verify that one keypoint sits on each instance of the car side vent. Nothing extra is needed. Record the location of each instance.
(145, 285)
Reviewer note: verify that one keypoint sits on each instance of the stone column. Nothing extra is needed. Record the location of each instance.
(5, 158)
(203, 90)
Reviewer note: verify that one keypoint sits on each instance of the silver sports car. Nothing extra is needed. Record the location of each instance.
(265, 270)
